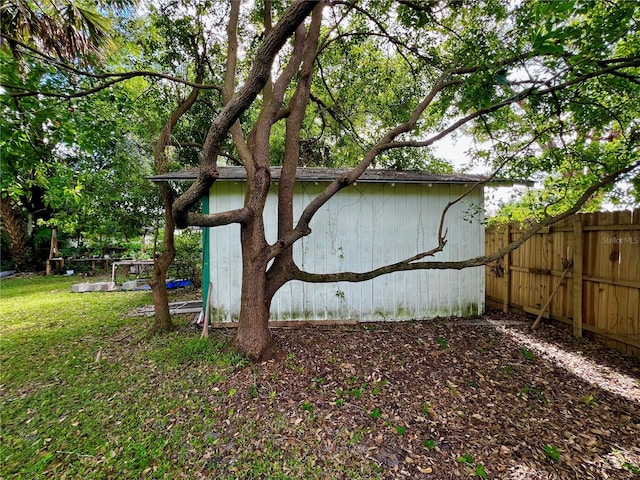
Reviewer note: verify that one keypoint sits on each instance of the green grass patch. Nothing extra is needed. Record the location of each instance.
(88, 394)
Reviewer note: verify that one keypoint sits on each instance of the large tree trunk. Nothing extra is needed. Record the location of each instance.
(253, 337)
(15, 227)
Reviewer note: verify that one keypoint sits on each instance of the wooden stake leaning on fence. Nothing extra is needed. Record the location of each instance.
(205, 320)
(542, 310)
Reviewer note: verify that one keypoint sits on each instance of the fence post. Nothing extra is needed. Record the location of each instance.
(506, 301)
(578, 249)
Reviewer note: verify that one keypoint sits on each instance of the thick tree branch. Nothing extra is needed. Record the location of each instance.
(513, 99)
(442, 233)
(230, 79)
(284, 80)
(272, 111)
(258, 76)
(239, 215)
(267, 91)
(302, 228)
(298, 108)
(409, 264)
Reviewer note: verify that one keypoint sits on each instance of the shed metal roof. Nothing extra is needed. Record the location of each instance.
(309, 174)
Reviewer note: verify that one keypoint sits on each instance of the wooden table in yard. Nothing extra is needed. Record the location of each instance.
(54, 265)
(137, 264)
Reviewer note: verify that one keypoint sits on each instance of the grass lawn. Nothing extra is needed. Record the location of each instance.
(85, 393)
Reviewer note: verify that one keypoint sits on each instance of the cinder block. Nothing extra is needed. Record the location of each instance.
(101, 287)
(132, 285)
(81, 287)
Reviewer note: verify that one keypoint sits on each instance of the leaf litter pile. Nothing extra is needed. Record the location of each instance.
(485, 398)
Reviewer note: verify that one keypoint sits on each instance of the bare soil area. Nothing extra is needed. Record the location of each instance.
(437, 399)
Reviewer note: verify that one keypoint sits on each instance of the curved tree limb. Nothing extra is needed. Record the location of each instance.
(298, 108)
(258, 76)
(442, 233)
(409, 264)
(111, 78)
(302, 228)
(387, 141)
(162, 316)
(276, 92)
(513, 99)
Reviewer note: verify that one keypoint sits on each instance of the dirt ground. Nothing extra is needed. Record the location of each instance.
(439, 399)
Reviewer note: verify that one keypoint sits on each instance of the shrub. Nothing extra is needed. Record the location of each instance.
(188, 261)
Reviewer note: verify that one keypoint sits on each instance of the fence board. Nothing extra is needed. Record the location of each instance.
(607, 287)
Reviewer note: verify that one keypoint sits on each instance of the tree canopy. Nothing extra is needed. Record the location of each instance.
(549, 91)
(78, 163)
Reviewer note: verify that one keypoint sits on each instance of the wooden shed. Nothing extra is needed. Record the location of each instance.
(387, 216)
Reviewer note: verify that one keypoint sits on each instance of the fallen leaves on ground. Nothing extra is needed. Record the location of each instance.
(434, 399)
(396, 400)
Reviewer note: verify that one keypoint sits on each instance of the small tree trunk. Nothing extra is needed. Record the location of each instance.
(162, 318)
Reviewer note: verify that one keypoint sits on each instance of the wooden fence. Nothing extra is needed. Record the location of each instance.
(589, 265)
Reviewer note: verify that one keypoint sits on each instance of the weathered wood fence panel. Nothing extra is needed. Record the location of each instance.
(600, 294)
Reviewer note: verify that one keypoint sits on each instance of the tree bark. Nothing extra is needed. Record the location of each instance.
(238, 104)
(162, 317)
(253, 337)
(16, 229)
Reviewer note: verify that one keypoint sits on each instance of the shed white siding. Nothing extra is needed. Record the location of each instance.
(363, 227)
